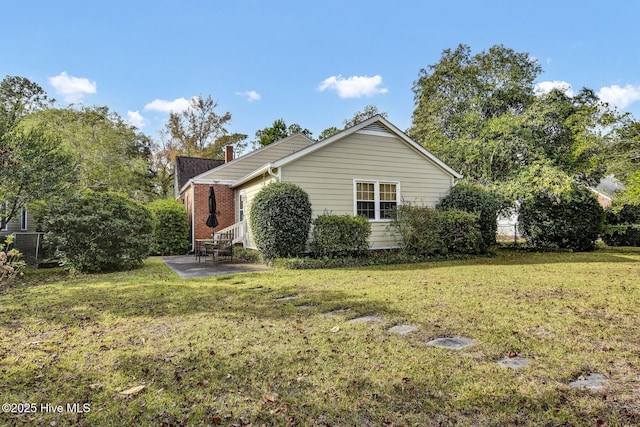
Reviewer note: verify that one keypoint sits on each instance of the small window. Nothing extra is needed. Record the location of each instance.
(376, 200)
(23, 220)
(3, 220)
(241, 206)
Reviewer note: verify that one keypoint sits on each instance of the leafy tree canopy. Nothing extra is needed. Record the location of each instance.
(32, 165)
(199, 131)
(482, 115)
(277, 131)
(18, 97)
(624, 162)
(109, 153)
(358, 117)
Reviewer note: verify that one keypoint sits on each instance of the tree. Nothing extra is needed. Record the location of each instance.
(162, 161)
(199, 131)
(19, 97)
(277, 131)
(109, 153)
(481, 115)
(624, 162)
(34, 168)
(358, 117)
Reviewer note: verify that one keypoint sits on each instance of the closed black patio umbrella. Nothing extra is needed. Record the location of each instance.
(212, 221)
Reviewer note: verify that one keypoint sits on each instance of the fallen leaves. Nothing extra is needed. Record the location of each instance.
(133, 390)
(270, 397)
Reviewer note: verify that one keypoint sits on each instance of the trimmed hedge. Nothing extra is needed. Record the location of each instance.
(340, 235)
(426, 231)
(97, 232)
(622, 228)
(170, 227)
(571, 221)
(475, 199)
(280, 220)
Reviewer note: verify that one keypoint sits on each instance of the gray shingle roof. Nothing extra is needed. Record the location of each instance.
(188, 167)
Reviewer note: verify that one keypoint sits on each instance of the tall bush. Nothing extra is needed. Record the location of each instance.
(170, 227)
(280, 220)
(10, 263)
(426, 231)
(340, 235)
(571, 220)
(97, 232)
(478, 200)
(622, 227)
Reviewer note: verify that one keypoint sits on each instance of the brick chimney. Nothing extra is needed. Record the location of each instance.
(228, 153)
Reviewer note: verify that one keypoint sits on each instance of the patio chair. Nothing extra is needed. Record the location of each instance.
(204, 248)
(223, 246)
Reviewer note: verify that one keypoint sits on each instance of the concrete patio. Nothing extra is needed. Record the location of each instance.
(188, 267)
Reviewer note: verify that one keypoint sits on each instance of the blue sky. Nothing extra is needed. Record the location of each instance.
(311, 63)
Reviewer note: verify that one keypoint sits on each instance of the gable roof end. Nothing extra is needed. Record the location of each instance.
(376, 125)
(392, 131)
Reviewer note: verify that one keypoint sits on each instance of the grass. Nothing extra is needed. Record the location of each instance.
(223, 351)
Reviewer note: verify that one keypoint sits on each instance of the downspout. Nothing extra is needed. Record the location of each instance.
(193, 217)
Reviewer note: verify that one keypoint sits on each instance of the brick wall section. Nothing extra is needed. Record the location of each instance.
(225, 209)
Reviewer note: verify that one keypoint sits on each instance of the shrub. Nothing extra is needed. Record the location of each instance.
(571, 221)
(340, 235)
(10, 263)
(280, 219)
(622, 228)
(170, 227)
(98, 232)
(460, 233)
(477, 200)
(426, 231)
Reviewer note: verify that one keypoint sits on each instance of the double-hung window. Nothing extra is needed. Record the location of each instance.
(376, 200)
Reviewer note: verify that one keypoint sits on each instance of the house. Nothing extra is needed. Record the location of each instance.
(27, 238)
(367, 170)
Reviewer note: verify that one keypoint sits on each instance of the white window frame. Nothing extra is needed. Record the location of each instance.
(376, 184)
(242, 205)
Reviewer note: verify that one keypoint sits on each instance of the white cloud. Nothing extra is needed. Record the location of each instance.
(620, 97)
(134, 118)
(176, 106)
(354, 86)
(250, 95)
(546, 87)
(72, 88)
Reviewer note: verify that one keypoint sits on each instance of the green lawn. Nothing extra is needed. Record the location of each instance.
(223, 351)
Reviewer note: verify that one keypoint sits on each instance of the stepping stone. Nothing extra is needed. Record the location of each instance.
(307, 306)
(289, 298)
(336, 312)
(514, 362)
(592, 381)
(403, 329)
(364, 319)
(453, 343)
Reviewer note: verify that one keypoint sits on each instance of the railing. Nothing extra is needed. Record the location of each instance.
(238, 231)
